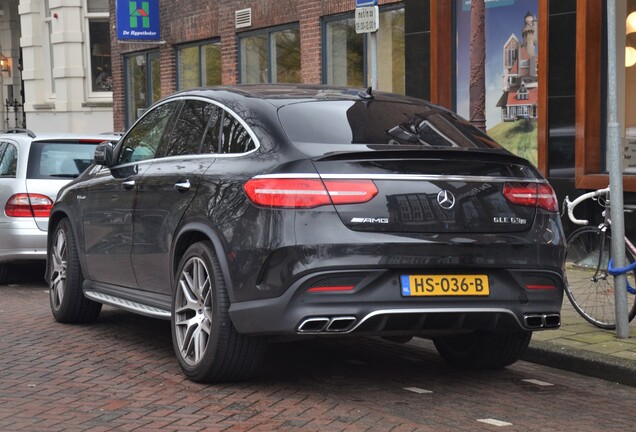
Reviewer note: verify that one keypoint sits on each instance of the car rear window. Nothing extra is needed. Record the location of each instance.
(59, 159)
(379, 122)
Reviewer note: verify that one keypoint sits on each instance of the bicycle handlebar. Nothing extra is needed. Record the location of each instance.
(572, 204)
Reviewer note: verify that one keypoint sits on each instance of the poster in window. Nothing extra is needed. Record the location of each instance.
(509, 61)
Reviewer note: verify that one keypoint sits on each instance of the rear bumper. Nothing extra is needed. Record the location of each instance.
(376, 307)
(22, 240)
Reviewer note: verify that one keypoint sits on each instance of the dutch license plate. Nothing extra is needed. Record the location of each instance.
(445, 285)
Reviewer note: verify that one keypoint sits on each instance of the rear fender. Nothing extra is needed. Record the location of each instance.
(193, 232)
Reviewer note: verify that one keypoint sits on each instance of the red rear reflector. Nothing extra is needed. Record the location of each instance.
(307, 193)
(532, 195)
(541, 287)
(28, 205)
(331, 288)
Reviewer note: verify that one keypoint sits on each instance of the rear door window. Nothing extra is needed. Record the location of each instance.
(8, 160)
(188, 135)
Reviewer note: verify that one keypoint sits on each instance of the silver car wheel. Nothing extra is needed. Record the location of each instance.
(58, 269)
(193, 311)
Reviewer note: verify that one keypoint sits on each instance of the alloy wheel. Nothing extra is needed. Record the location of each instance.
(58, 270)
(193, 311)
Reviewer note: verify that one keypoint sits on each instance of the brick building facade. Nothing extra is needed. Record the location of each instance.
(185, 22)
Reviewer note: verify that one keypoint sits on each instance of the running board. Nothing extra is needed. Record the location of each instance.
(128, 305)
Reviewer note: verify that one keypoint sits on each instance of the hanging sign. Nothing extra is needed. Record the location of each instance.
(137, 20)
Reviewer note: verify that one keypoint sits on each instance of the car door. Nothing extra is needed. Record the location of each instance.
(168, 187)
(109, 197)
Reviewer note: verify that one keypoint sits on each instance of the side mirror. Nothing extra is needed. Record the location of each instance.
(104, 154)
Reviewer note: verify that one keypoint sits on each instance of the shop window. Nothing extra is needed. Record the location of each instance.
(346, 55)
(270, 56)
(199, 65)
(591, 93)
(143, 83)
(506, 105)
(629, 79)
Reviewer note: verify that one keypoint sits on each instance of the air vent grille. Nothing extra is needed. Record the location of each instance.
(243, 18)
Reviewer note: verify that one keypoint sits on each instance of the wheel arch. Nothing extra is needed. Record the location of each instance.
(192, 233)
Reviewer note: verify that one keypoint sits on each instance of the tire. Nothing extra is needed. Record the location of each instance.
(483, 349)
(591, 292)
(207, 345)
(68, 303)
(4, 274)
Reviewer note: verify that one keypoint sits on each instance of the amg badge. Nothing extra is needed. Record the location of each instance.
(370, 220)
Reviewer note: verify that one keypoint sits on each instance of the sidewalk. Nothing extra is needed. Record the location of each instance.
(583, 348)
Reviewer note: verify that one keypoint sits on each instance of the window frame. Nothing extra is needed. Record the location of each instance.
(266, 31)
(149, 56)
(200, 45)
(365, 46)
(95, 17)
(324, 67)
(590, 81)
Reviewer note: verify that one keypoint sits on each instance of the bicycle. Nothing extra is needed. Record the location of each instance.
(588, 265)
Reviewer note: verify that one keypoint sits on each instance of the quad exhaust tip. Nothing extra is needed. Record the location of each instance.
(327, 325)
(538, 321)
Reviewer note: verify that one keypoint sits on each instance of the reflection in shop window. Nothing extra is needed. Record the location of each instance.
(101, 76)
(143, 83)
(272, 56)
(199, 65)
(346, 55)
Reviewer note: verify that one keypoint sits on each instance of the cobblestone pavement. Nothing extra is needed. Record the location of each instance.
(120, 374)
(580, 347)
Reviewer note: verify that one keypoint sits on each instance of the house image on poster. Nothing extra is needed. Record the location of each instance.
(520, 80)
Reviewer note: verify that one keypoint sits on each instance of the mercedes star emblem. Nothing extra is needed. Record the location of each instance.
(446, 200)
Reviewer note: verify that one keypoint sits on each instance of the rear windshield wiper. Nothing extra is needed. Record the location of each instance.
(64, 175)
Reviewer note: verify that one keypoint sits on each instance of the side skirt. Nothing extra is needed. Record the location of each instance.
(143, 303)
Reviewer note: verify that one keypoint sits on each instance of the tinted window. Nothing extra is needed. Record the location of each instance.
(235, 138)
(379, 122)
(211, 140)
(8, 160)
(142, 141)
(59, 159)
(187, 135)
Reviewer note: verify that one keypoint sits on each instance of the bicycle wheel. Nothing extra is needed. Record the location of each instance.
(588, 285)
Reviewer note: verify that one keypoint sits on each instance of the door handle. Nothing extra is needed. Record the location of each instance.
(183, 186)
(128, 184)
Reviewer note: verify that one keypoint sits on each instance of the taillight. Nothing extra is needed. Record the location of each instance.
(532, 195)
(28, 205)
(307, 193)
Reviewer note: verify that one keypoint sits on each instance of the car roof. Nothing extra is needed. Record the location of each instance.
(25, 137)
(67, 136)
(283, 94)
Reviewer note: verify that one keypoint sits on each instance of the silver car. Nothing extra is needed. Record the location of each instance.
(32, 170)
